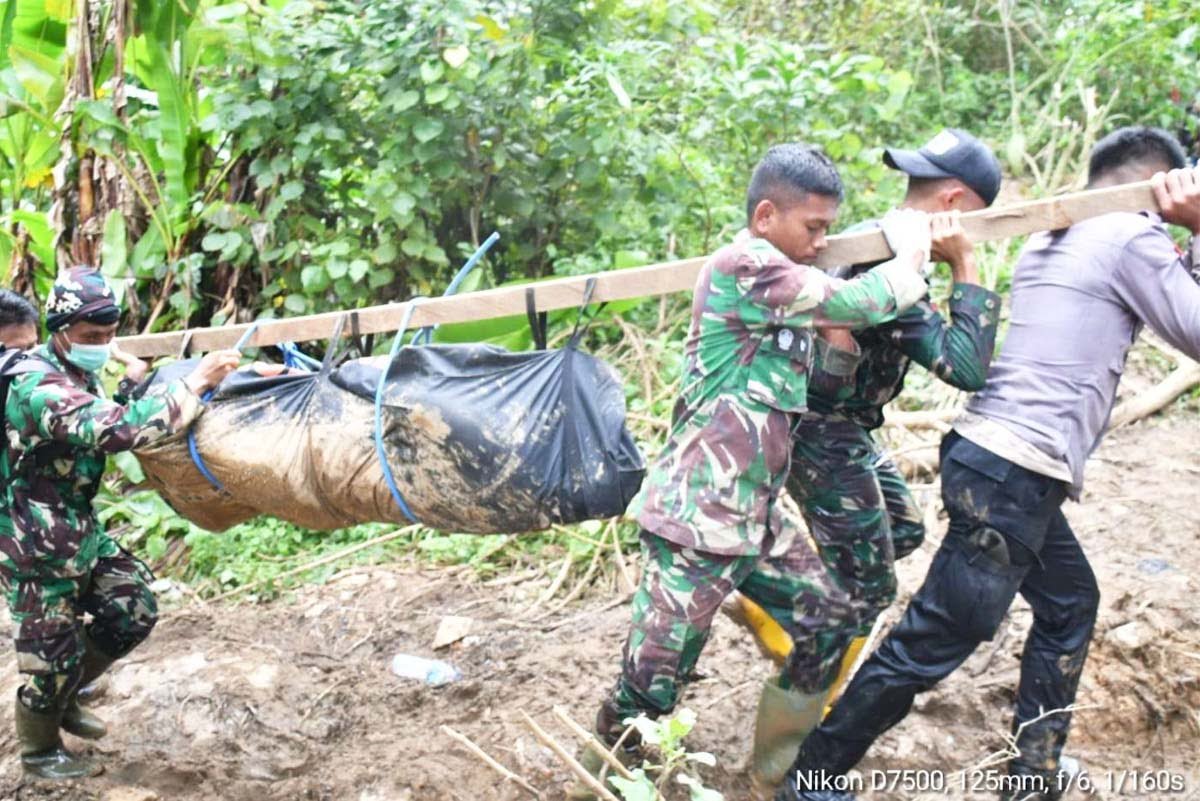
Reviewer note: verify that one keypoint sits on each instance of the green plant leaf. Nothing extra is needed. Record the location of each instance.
(427, 129)
(41, 235)
(129, 466)
(696, 790)
(403, 101)
(431, 71)
(639, 788)
(114, 253)
(614, 83)
(40, 74)
(456, 56)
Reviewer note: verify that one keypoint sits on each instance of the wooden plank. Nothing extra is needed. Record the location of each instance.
(655, 279)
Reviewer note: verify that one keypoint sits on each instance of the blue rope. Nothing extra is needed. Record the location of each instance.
(296, 359)
(191, 437)
(426, 334)
(379, 450)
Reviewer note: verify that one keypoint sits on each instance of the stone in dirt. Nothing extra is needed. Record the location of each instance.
(452, 629)
(1131, 636)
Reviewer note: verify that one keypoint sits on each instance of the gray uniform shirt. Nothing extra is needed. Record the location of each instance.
(1079, 298)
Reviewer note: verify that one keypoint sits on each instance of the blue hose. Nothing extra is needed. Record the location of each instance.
(426, 334)
(191, 437)
(379, 450)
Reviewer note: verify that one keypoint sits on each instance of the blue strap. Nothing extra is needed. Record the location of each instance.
(191, 436)
(426, 334)
(383, 376)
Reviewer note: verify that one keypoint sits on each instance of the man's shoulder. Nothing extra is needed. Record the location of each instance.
(746, 250)
(1119, 227)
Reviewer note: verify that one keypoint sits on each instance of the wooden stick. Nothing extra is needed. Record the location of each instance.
(466, 743)
(579, 770)
(1178, 382)
(591, 742)
(319, 562)
(637, 282)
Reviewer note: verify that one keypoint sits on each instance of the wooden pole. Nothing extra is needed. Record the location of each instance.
(656, 279)
(483, 756)
(579, 770)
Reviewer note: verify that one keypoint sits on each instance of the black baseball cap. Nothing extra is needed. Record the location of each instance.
(953, 153)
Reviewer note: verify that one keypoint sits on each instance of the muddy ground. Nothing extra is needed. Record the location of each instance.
(294, 699)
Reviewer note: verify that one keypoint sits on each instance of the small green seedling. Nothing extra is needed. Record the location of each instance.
(666, 737)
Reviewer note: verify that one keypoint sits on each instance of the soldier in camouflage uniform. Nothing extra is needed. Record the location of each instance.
(856, 504)
(709, 507)
(56, 562)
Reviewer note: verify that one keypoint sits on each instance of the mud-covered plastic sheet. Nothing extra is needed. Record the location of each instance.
(479, 440)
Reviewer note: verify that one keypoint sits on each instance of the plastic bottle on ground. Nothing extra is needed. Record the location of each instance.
(433, 672)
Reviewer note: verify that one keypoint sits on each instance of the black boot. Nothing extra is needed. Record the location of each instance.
(42, 751)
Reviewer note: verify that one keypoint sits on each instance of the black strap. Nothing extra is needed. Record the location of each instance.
(585, 320)
(185, 350)
(355, 334)
(537, 320)
(328, 362)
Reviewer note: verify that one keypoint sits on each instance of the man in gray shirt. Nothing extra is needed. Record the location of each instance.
(1080, 296)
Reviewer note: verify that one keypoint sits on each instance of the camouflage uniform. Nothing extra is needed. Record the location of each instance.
(709, 505)
(56, 562)
(857, 506)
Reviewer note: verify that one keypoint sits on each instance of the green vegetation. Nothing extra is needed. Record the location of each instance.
(231, 160)
(665, 739)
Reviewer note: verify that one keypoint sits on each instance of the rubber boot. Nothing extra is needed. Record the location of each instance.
(76, 720)
(785, 717)
(42, 751)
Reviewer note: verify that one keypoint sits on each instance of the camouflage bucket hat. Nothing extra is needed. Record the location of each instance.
(80, 293)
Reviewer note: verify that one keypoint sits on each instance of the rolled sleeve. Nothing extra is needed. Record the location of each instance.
(907, 284)
(836, 361)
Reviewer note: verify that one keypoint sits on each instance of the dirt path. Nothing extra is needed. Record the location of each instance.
(294, 700)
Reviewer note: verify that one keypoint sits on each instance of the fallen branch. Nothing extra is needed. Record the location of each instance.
(619, 557)
(483, 757)
(325, 560)
(1182, 379)
(579, 770)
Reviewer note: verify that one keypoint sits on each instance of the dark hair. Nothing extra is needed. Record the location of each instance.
(788, 172)
(16, 310)
(1136, 144)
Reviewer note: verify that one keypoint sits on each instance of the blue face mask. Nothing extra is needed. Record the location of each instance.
(89, 358)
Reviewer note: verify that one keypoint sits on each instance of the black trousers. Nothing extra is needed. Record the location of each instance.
(1007, 535)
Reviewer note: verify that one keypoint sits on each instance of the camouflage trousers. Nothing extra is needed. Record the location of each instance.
(858, 509)
(47, 614)
(681, 591)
